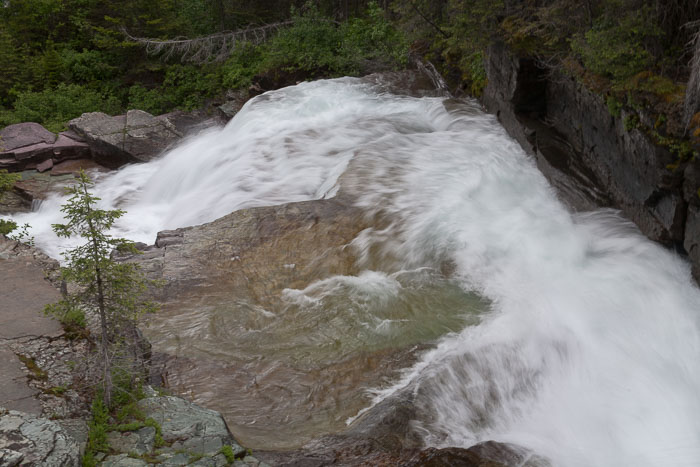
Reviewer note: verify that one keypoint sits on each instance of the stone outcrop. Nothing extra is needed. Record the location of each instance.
(27, 440)
(186, 434)
(136, 136)
(589, 155)
(29, 145)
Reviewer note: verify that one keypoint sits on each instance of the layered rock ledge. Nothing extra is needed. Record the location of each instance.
(590, 156)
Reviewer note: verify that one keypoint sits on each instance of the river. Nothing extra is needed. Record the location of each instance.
(517, 320)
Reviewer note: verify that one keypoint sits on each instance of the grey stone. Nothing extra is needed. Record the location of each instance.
(204, 445)
(139, 442)
(181, 420)
(10, 458)
(251, 461)
(135, 137)
(176, 460)
(123, 460)
(40, 441)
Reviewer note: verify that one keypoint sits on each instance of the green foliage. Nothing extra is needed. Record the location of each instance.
(7, 181)
(468, 33)
(54, 107)
(71, 317)
(616, 47)
(7, 227)
(129, 411)
(227, 451)
(631, 122)
(317, 45)
(114, 290)
(97, 435)
(244, 63)
(158, 439)
(614, 106)
(87, 66)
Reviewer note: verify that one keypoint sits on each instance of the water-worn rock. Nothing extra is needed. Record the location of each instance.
(38, 441)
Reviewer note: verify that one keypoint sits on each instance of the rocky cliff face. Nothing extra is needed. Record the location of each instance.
(588, 154)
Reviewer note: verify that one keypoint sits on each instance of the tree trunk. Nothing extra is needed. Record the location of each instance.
(104, 335)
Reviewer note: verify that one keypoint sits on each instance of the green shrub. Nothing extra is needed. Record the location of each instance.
(244, 63)
(86, 66)
(54, 107)
(151, 100)
(312, 43)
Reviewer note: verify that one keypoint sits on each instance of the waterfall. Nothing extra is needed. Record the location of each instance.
(589, 351)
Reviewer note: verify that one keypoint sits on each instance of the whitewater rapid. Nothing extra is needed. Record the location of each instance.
(589, 352)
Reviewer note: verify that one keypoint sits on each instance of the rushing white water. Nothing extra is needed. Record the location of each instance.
(589, 355)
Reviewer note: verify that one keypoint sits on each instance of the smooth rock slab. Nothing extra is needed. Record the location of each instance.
(184, 421)
(40, 441)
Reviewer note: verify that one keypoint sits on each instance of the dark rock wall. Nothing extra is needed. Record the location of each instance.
(589, 156)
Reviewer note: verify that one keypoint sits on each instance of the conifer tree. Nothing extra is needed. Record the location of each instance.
(113, 290)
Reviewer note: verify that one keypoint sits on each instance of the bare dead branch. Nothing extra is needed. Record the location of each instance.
(212, 48)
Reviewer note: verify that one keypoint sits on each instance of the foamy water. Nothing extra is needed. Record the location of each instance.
(589, 354)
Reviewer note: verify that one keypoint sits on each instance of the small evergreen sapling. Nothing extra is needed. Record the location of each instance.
(112, 289)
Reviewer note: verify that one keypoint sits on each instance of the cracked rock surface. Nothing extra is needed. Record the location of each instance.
(29, 440)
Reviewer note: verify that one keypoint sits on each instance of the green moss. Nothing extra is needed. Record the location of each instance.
(35, 372)
(631, 122)
(159, 441)
(227, 451)
(614, 106)
(132, 426)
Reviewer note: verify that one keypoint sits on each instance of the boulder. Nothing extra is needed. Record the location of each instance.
(21, 135)
(30, 440)
(29, 145)
(137, 136)
(186, 423)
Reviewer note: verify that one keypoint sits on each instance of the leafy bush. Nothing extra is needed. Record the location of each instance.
(244, 63)
(54, 107)
(86, 66)
(312, 43)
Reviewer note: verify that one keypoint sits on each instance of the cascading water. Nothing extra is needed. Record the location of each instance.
(588, 354)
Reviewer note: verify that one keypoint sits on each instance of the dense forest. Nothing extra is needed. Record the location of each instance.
(64, 57)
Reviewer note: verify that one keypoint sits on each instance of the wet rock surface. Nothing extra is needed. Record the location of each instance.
(589, 155)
